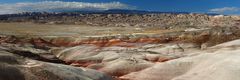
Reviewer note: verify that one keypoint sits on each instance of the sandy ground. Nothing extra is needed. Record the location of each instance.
(30, 29)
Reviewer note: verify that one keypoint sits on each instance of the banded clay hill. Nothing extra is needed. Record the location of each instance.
(61, 46)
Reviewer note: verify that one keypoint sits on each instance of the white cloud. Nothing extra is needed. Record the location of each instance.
(58, 6)
(225, 10)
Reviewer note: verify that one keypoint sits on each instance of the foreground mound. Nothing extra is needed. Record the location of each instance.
(118, 61)
(13, 67)
(221, 64)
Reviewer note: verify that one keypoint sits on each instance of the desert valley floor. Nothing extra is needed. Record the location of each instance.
(37, 51)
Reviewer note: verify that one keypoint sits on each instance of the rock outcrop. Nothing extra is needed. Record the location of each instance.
(14, 67)
(118, 61)
(219, 64)
(164, 20)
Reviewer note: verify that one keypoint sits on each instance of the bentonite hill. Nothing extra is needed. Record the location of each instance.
(157, 46)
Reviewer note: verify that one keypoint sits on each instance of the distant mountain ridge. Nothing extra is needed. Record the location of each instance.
(110, 11)
(125, 11)
(123, 18)
(24, 15)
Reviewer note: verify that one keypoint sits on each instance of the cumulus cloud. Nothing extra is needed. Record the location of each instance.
(51, 6)
(225, 10)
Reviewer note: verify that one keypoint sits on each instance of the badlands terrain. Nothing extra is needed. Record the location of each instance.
(163, 46)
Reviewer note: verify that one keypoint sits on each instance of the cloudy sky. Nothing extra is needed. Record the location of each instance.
(230, 7)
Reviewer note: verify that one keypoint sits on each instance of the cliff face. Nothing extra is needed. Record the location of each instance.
(164, 21)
